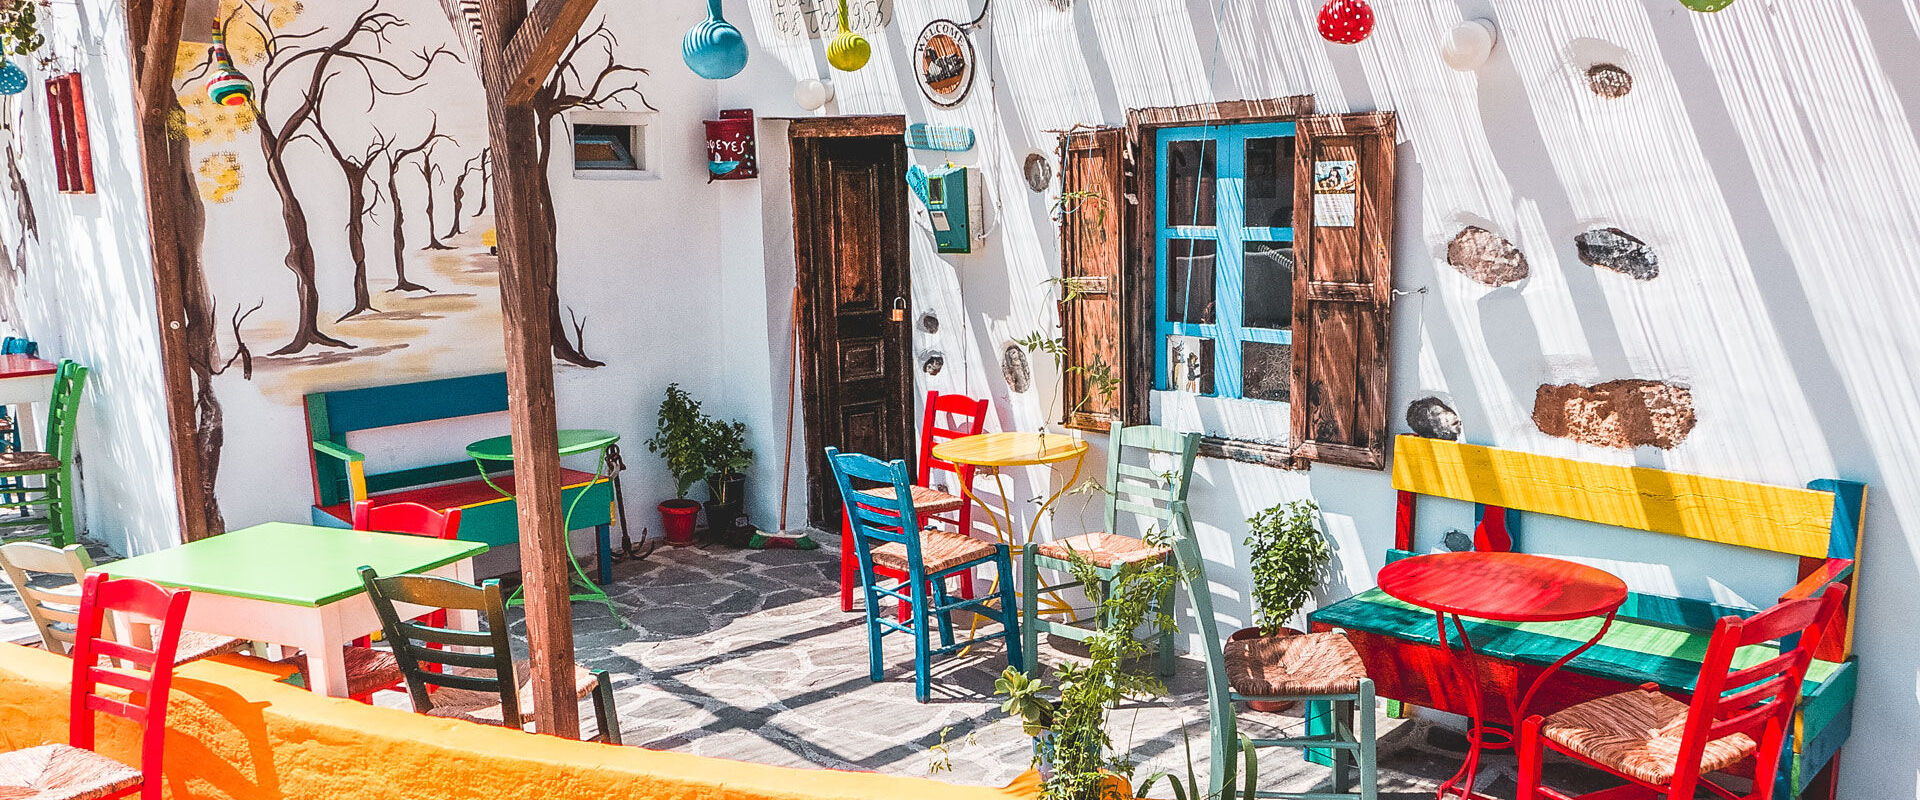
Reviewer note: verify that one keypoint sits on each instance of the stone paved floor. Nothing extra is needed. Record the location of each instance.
(746, 655)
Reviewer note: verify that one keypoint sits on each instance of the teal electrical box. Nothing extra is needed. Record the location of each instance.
(948, 207)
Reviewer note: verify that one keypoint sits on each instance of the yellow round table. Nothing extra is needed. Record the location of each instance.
(997, 450)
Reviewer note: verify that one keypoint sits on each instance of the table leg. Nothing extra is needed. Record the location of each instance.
(463, 619)
(26, 419)
(325, 647)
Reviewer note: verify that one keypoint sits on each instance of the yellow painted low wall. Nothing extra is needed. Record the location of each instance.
(238, 733)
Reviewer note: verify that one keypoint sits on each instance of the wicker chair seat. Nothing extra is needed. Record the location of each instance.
(368, 669)
(195, 645)
(925, 500)
(485, 708)
(28, 461)
(62, 772)
(1638, 733)
(1307, 665)
(939, 551)
(1104, 550)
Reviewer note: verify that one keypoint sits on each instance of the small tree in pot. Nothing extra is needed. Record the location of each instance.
(1289, 561)
(726, 456)
(681, 441)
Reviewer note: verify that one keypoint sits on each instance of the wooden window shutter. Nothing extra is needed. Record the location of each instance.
(1343, 287)
(1092, 175)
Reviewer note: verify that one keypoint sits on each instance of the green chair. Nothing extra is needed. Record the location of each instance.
(481, 682)
(1321, 669)
(54, 466)
(1140, 491)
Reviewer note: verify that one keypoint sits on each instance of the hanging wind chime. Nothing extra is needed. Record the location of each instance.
(848, 51)
(714, 49)
(1346, 21)
(228, 86)
(13, 79)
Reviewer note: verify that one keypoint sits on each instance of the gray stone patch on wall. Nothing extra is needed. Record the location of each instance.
(1610, 81)
(933, 362)
(1432, 418)
(1014, 367)
(1486, 257)
(1621, 414)
(1617, 250)
(930, 322)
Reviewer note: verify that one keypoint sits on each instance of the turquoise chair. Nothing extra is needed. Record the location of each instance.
(885, 534)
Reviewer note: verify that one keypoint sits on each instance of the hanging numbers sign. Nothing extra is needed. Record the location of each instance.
(819, 19)
(943, 60)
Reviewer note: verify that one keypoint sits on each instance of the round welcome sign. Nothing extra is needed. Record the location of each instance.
(944, 62)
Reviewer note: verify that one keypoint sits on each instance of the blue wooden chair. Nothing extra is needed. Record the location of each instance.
(885, 534)
(9, 424)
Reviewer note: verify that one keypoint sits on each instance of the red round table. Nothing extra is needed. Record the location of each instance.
(1507, 587)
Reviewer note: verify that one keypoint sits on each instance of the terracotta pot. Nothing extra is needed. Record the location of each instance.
(1269, 706)
(676, 521)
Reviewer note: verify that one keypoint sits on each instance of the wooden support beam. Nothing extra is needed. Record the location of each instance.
(524, 298)
(537, 46)
(154, 36)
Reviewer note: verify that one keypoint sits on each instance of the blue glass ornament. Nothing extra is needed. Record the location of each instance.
(13, 80)
(714, 49)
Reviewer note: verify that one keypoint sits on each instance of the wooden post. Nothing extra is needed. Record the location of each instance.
(511, 127)
(153, 29)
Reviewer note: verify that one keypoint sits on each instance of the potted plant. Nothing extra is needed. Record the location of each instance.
(680, 440)
(1289, 560)
(725, 454)
(1069, 725)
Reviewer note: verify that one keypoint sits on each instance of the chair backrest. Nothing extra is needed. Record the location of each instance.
(333, 415)
(871, 518)
(949, 417)
(486, 663)
(147, 672)
(1136, 487)
(409, 518)
(16, 346)
(49, 607)
(1757, 699)
(64, 412)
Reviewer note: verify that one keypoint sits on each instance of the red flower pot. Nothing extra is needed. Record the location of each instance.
(676, 521)
(1269, 706)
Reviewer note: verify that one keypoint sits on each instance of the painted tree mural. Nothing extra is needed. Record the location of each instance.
(589, 76)
(475, 166)
(355, 169)
(397, 159)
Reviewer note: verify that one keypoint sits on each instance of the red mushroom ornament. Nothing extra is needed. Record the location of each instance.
(1346, 21)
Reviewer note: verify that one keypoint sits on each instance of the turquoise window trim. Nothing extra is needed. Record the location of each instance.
(1230, 238)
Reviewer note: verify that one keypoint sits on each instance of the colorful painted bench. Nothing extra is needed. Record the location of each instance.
(340, 474)
(1656, 639)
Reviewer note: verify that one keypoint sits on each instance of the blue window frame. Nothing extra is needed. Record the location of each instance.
(1223, 274)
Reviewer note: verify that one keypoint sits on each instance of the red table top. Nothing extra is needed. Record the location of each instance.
(1511, 587)
(20, 366)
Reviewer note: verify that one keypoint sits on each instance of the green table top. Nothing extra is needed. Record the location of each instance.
(572, 442)
(280, 562)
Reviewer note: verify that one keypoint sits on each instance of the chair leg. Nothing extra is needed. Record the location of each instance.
(605, 713)
(848, 566)
(1017, 636)
(1368, 713)
(922, 654)
(873, 625)
(1029, 612)
(1164, 604)
(63, 499)
(1531, 754)
(1342, 757)
(942, 618)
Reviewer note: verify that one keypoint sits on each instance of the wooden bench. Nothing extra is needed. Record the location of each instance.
(1656, 639)
(340, 474)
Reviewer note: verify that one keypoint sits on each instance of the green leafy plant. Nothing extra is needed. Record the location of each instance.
(1101, 380)
(20, 27)
(1289, 560)
(681, 439)
(723, 447)
(1070, 203)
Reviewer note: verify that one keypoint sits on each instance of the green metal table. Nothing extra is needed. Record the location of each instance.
(572, 441)
(297, 585)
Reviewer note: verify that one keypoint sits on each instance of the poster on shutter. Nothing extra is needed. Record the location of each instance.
(1190, 364)
(1335, 193)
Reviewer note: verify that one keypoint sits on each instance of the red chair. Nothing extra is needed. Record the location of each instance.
(967, 417)
(72, 771)
(370, 669)
(1665, 748)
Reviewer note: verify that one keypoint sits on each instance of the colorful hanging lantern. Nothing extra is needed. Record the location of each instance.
(13, 80)
(1706, 5)
(714, 49)
(228, 86)
(1346, 21)
(848, 51)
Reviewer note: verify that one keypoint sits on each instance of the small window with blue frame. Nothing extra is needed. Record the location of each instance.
(607, 147)
(1224, 279)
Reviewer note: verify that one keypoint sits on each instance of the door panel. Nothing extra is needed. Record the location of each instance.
(850, 217)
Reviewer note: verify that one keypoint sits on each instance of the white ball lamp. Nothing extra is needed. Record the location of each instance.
(1469, 45)
(813, 93)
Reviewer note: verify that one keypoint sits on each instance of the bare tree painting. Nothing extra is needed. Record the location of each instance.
(474, 166)
(397, 158)
(355, 169)
(432, 175)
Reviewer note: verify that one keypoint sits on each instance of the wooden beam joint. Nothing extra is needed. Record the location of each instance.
(538, 43)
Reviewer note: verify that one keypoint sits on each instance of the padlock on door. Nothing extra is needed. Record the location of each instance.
(899, 310)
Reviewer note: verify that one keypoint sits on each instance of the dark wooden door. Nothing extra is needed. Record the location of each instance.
(850, 232)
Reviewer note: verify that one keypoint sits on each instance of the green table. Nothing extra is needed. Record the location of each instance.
(572, 441)
(297, 585)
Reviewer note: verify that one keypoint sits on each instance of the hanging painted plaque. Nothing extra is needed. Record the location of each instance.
(943, 59)
(819, 19)
(1335, 193)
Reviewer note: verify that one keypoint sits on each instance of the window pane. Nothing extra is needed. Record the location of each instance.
(603, 147)
(1190, 176)
(1269, 300)
(1270, 182)
(1190, 281)
(1190, 364)
(1266, 371)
